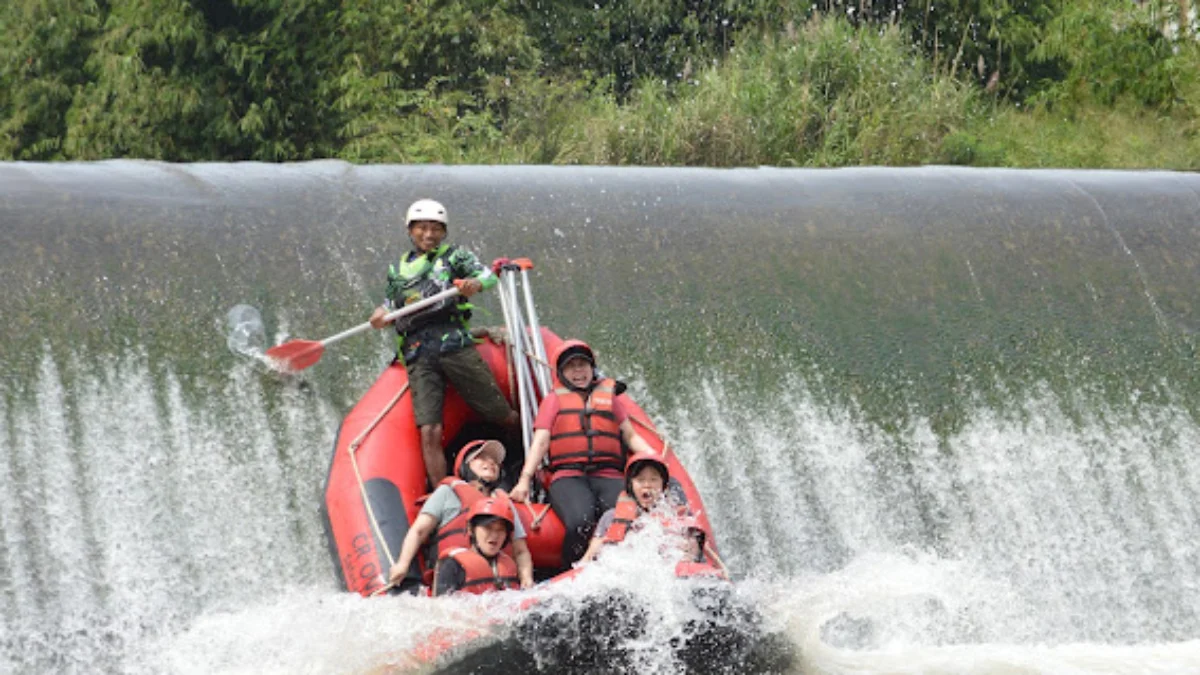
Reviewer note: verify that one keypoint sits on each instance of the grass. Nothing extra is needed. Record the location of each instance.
(1119, 138)
(825, 94)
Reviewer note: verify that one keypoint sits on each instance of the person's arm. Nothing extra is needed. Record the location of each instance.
(393, 284)
(377, 317)
(524, 562)
(597, 541)
(450, 577)
(474, 275)
(635, 442)
(417, 535)
(521, 553)
(592, 551)
(628, 434)
(533, 459)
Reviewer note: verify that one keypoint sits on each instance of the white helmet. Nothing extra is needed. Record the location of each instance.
(425, 209)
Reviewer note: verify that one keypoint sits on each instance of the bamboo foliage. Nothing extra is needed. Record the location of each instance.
(501, 80)
(42, 55)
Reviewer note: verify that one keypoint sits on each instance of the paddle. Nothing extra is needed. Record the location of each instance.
(299, 354)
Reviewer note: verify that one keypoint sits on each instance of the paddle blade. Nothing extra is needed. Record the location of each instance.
(296, 354)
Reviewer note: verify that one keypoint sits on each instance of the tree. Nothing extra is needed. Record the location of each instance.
(42, 56)
(409, 69)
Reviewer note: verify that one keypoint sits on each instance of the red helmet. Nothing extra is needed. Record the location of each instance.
(637, 462)
(569, 349)
(470, 450)
(485, 511)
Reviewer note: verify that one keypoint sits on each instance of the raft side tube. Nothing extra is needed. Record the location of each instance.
(326, 524)
(391, 478)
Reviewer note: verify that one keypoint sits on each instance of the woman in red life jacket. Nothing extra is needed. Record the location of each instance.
(484, 566)
(585, 428)
(445, 512)
(646, 478)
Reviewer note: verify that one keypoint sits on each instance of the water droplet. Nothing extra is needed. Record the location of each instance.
(246, 333)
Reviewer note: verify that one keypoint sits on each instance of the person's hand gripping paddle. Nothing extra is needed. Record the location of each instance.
(296, 355)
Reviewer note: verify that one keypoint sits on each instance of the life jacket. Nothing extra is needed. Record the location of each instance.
(625, 515)
(419, 276)
(483, 575)
(454, 535)
(585, 435)
(625, 512)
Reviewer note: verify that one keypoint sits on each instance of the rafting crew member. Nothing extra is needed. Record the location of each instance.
(694, 552)
(445, 513)
(646, 479)
(692, 561)
(646, 486)
(435, 344)
(585, 428)
(483, 566)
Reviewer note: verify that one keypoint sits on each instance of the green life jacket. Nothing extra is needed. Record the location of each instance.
(418, 277)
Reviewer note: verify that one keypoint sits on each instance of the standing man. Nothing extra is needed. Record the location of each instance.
(435, 344)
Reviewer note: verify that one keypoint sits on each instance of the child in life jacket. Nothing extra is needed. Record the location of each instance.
(443, 517)
(646, 478)
(483, 567)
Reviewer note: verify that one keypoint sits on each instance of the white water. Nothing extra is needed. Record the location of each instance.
(145, 529)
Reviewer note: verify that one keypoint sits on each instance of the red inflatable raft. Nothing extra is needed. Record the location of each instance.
(377, 475)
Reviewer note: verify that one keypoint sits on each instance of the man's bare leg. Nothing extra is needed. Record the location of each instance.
(434, 454)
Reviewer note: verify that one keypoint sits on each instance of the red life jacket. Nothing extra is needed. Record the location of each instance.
(585, 435)
(625, 512)
(483, 575)
(454, 534)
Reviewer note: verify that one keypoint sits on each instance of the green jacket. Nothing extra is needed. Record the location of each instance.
(420, 275)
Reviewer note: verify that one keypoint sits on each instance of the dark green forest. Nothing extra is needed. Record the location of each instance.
(1030, 83)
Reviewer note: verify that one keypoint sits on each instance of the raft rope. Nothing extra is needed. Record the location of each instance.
(536, 517)
(362, 487)
(382, 589)
(716, 558)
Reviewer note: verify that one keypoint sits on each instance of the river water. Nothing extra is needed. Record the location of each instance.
(944, 420)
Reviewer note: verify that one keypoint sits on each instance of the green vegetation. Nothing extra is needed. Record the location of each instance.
(1028, 83)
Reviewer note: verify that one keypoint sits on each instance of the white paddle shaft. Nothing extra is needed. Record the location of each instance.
(392, 316)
